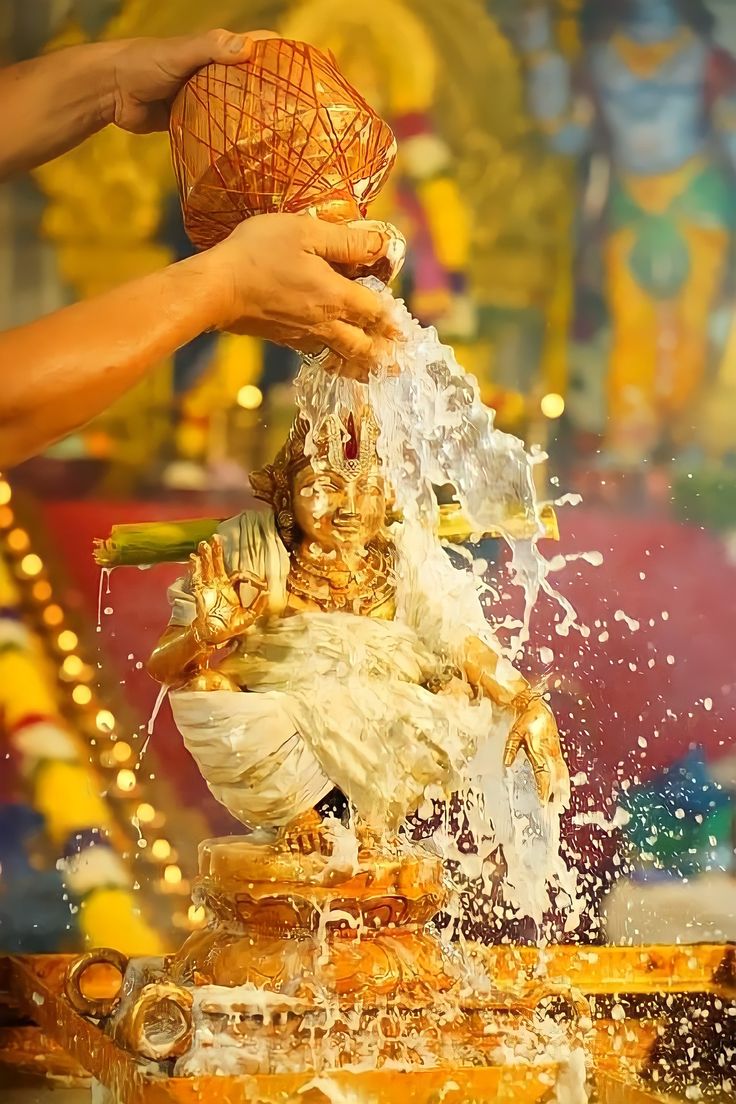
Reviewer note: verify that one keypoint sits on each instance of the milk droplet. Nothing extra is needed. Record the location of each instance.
(631, 622)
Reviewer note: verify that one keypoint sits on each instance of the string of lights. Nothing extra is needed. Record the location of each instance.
(78, 769)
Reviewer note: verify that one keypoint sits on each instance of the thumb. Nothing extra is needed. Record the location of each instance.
(343, 244)
(226, 47)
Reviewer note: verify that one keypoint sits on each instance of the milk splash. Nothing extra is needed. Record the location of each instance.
(434, 431)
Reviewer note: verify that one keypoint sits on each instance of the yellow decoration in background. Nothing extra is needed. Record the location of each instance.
(237, 361)
(109, 917)
(67, 798)
(9, 596)
(62, 787)
(25, 687)
(449, 221)
(383, 34)
(568, 27)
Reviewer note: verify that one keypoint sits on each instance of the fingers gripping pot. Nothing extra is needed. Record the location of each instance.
(282, 132)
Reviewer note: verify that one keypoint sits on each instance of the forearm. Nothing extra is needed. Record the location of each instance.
(66, 368)
(179, 653)
(480, 666)
(52, 103)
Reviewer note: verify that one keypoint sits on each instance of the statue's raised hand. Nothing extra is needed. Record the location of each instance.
(535, 730)
(221, 616)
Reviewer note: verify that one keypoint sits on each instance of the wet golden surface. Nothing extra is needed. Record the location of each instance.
(632, 991)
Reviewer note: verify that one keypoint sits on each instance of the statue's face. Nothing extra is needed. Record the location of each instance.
(337, 512)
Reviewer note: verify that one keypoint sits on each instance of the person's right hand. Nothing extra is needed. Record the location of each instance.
(277, 282)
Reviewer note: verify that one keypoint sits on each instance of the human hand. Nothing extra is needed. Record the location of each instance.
(220, 614)
(146, 73)
(535, 730)
(277, 280)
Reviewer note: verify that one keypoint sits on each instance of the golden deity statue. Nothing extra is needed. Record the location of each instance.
(328, 643)
(298, 659)
(288, 620)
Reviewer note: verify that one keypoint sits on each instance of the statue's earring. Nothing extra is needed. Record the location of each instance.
(285, 524)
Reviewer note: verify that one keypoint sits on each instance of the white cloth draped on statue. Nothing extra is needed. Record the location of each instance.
(335, 699)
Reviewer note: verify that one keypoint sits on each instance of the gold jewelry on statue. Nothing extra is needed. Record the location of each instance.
(646, 58)
(522, 701)
(363, 591)
(353, 454)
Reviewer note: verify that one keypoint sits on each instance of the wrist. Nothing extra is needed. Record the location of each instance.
(96, 65)
(202, 285)
(524, 699)
(212, 286)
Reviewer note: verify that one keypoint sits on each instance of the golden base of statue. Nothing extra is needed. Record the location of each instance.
(299, 928)
(238, 1043)
(353, 929)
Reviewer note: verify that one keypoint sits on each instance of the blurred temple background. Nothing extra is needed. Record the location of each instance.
(566, 182)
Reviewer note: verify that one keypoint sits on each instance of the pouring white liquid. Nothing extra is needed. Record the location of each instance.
(433, 431)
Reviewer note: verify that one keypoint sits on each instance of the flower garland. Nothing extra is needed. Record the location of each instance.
(51, 758)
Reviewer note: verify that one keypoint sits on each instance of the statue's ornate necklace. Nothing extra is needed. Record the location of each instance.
(362, 591)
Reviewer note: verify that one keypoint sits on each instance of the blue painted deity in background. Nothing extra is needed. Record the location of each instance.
(656, 92)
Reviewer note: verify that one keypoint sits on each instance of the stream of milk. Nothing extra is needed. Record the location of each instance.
(434, 431)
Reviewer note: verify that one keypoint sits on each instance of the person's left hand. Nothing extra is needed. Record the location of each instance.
(535, 730)
(148, 72)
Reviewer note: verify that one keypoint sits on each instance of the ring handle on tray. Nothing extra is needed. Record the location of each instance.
(150, 1029)
(98, 1007)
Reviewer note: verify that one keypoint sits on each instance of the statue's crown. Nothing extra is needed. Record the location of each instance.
(345, 445)
(351, 448)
